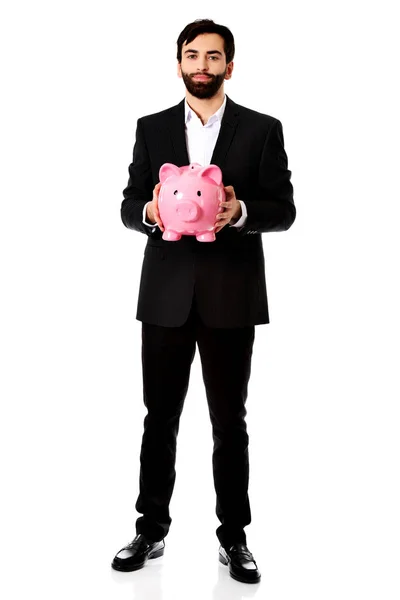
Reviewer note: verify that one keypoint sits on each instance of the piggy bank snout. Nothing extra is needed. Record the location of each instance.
(187, 211)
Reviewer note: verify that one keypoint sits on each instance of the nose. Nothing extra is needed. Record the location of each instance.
(203, 64)
(187, 211)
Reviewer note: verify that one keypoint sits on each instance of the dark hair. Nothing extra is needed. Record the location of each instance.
(199, 26)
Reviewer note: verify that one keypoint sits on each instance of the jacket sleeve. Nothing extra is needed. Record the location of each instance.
(140, 187)
(273, 208)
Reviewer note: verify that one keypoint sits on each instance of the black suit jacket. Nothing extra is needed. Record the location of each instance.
(227, 275)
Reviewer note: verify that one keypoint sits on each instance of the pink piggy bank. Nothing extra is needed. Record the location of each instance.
(189, 199)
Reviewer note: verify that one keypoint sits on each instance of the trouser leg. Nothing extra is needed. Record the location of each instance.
(226, 364)
(167, 355)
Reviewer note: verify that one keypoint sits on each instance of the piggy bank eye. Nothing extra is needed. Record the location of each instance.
(175, 192)
(199, 193)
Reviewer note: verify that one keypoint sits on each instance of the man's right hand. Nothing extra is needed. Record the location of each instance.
(152, 212)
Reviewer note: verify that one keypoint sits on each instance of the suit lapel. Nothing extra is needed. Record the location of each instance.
(224, 140)
(226, 133)
(177, 132)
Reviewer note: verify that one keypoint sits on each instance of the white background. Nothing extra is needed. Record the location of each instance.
(323, 414)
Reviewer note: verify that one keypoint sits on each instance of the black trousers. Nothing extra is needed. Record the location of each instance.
(167, 355)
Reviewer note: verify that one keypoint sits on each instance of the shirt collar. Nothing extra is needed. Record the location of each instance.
(217, 116)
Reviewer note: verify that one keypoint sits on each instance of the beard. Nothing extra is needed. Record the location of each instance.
(203, 89)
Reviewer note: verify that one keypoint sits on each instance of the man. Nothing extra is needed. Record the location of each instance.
(212, 294)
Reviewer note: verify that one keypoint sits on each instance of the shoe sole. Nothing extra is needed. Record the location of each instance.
(127, 569)
(226, 562)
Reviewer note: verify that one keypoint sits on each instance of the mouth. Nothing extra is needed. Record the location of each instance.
(201, 77)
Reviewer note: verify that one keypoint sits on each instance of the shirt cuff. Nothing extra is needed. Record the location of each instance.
(240, 222)
(153, 225)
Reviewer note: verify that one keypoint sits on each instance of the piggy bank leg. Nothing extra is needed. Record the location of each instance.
(207, 236)
(171, 236)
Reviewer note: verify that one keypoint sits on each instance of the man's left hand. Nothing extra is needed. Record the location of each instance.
(232, 209)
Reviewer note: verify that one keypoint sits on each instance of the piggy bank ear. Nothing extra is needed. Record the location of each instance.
(168, 169)
(213, 172)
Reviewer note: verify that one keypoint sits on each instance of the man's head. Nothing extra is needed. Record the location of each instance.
(205, 48)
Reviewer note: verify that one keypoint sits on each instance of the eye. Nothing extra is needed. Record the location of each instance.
(175, 192)
(199, 193)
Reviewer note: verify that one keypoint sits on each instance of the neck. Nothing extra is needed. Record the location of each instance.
(205, 107)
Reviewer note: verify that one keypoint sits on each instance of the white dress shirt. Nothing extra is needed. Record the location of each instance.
(200, 144)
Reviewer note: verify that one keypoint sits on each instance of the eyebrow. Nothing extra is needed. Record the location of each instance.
(208, 51)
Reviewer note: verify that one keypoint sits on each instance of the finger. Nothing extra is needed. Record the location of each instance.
(157, 217)
(220, 225)
(156, 191)
(226, 204)
(156, 208)
(158, 220)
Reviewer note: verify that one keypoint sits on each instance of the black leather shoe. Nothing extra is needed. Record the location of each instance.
(242, 565)
(135, 555)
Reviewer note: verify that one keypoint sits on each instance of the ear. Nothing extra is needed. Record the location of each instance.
(213, 172)
(179, 70)
(229, 70)
(167, 170)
